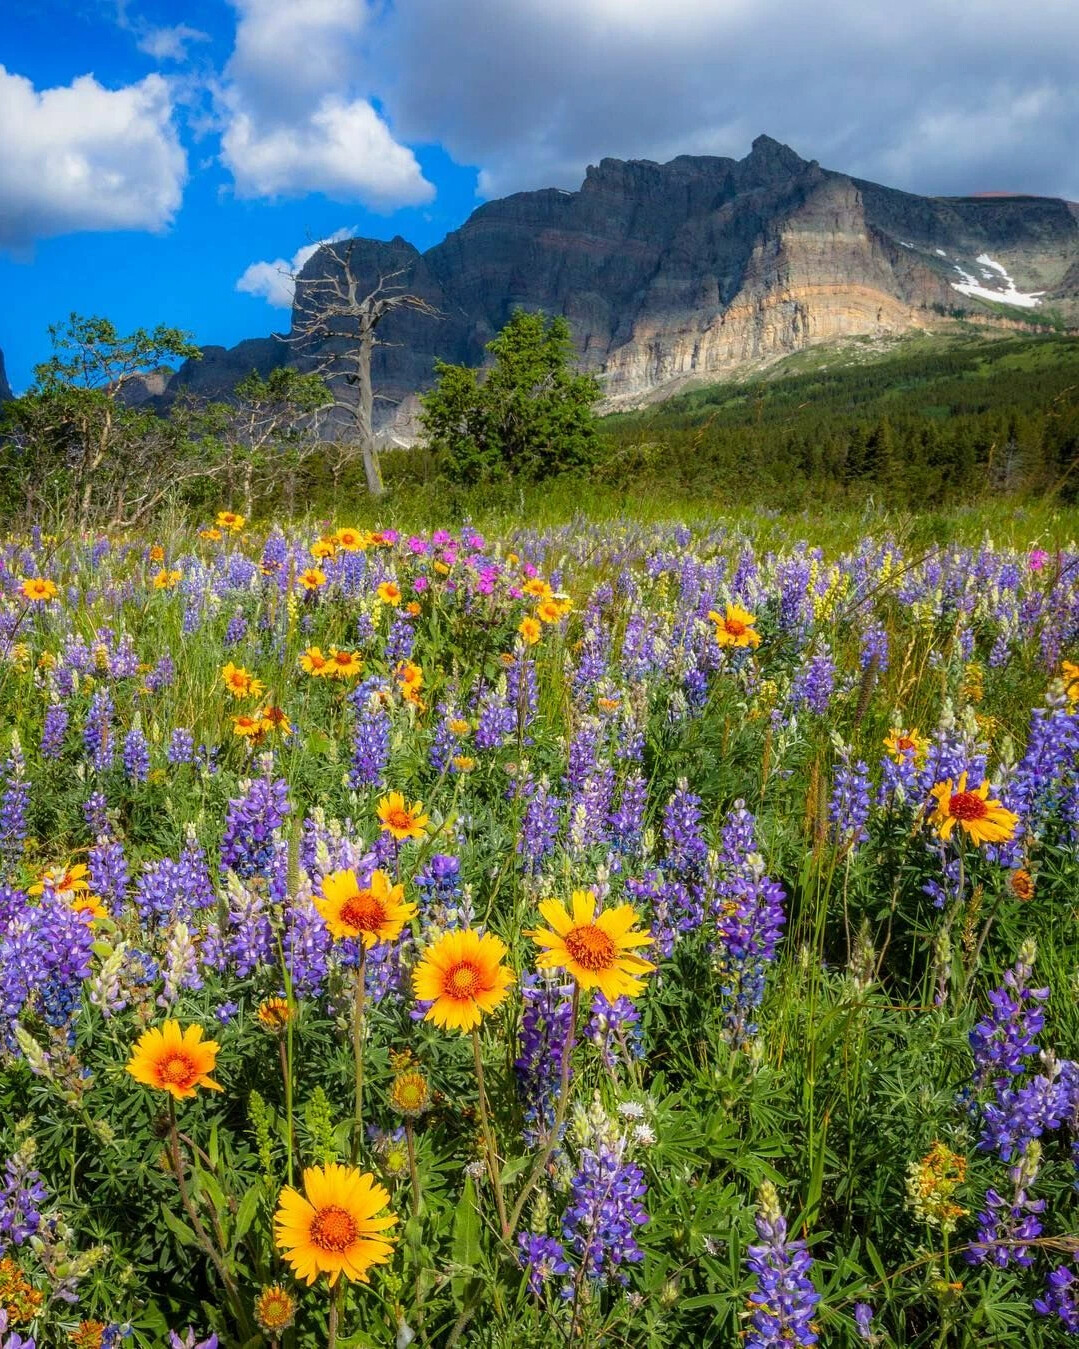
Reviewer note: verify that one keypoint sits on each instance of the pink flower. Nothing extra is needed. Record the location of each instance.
(1038, 558)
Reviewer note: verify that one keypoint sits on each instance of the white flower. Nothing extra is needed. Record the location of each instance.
(631, 1110)
(644, 1135)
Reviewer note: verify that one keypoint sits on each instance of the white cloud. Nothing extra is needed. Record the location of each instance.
(170, 44)
(532, 91)
(276, 281)
(83, 157)
(296, 110)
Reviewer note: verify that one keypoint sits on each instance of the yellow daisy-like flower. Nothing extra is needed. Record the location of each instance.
(983, 820)
(343, 664)
(165, 579)
(409, 675)
(241, 683)
(312, 578)
(538, 588)
(552, 610)
(459, 727)
(231, 521)
(94, 905)
(274, 719)
(373, 913)
(157, 553)
(399, 819)
(211, 535)
(274, 1014)
(275, 1310)
(735, 627)
(389, 593)
(530, 630)
(409, 1093)
(463, 763)
(1069, 672)
(313, 661)
(906, 745)
(351, 540)
(174, 1060)
(333, 1227)
(251, 728)
(39, 590)
(462, 976)
(66, 881)
(323, 548)
(597, 950)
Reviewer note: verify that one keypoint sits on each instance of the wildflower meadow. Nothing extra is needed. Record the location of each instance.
(629, 934)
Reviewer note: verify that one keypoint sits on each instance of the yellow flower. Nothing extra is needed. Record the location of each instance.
(906, 746)
(399, 819)
(413, 609)
(39, 590)
(211, 535)
(249, 727)
(69, 881)
(313, 661)
(94, 905)
(312, 578)
(597, 950)
(274, 719)
(538, 588)
(275, 1310)
(157, 553)
(458, 726)
(165, 579)
(174, 1061)
(1021, 883)
(735, 627)
(932, 1182)
(984, 821)
(351, 540)
(1069, 672)
(231, 521)
(240, 682)
(463, 763)
(552, 610)
(463, 978)
(323, 548)
(343, 664)
(333, 1227)
(389, 593)
(274, 1014)
(374, 913)
(409, 1093)
(530, 630)
(409, 675)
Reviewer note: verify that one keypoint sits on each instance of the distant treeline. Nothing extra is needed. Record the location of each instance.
(947, 424)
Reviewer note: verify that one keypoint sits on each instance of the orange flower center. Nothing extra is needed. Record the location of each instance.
(177, 1070)
(399, 819)
(333, 1229)
(734, 626)
(275, 1309)
(967, 806)
(462, 981)
(590, 946)
(905, 742)
(364, 911)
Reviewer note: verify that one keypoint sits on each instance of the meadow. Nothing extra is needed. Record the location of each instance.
(623, 929)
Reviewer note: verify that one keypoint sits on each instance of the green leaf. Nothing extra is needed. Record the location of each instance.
(245, 1215)
(465, 1250)
(179, 1228)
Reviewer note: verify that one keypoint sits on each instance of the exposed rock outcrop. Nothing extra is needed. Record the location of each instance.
(5, 387)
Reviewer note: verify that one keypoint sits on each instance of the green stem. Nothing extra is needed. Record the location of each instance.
(488, 1137)
(413, 1173)
(335, 1314)
(357, 1053)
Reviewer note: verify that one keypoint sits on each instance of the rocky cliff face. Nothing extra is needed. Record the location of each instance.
(5, 387)
(698, 268)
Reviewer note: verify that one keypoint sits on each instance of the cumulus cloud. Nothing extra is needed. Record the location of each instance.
(921, 96)
(83, 157)
(297, 112)
(170, 44)
(276, 281)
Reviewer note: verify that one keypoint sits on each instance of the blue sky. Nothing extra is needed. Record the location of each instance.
(153, 154)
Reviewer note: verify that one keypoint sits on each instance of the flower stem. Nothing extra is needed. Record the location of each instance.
(559, 1119)
(335, 1314)
(488, 1137)
(413, 1173)
(357, 1052)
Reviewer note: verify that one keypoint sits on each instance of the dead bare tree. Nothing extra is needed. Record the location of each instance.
(337, 307)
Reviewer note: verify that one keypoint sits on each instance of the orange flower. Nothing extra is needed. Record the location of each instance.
(530, 630)
(735, 627)
(251, 728)
(240, 682)
(343, 664)
(174, 1061)
(373, 913)
(165, 579)
(399, 819)
(389, 593)
(904, 745)
(313, 661)
(463, 978)
(351, 540)
(39, 590)
(274, 1014)
(231, 521)
(332, 1227)
(1021, 883)
(157, 553)
(597, 950)
(211, 535)
(982, 820)
(312, 578)
(66, 881)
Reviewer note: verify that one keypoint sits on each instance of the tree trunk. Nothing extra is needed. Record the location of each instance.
(365, 401)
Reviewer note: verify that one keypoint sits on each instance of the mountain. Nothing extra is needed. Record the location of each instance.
(685, 272)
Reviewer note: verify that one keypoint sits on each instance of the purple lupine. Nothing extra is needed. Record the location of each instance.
(784, 1300)
(236, 630)
(849, 806)
(874, 648)
(14, 803)
(370, 735)
(107, 864)
(540, 823)
(614, 1028)
(21, 1197)
(181, 748)
(248, 844)
(136, 755)
(1002, 1041)
(169, 891)
(543, 1258)
(95, 811)
(600, 1222)
(687, 851)
(545, 1028)
(1004, 1224)
(496, 720)
(627, 822)
(863, 1322)
(162, 675)
(97, 734)
(438, 884)
(53, 730)
(814, 683)
(1061, 1298)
